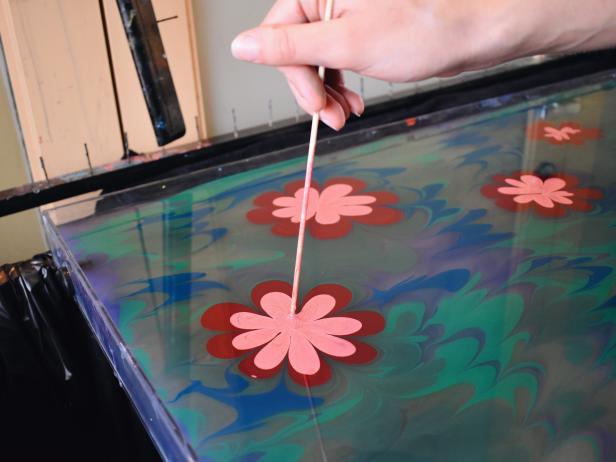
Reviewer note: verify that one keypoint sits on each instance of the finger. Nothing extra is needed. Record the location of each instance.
(338, 97)
(335, 79)
(300, 11)
(299, 44)
(450, 73)
(304, 82)
(285, 12)
(307, 87)
(301, 102)
(333, 114)
(355, 102)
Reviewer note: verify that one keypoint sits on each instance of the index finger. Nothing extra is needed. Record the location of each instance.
(285, 12)
(330, 44)
(299, 11)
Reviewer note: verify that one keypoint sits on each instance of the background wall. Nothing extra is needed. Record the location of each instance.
(55, 53)
(20, 234)
(229, 84)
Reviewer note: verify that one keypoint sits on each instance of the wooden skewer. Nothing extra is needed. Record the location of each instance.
(329, 9)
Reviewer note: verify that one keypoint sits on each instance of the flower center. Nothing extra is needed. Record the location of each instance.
(288, 324)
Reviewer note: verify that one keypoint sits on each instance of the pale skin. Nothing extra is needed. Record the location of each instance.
(411, 40)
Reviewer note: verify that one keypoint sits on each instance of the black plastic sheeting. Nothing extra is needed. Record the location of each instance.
(59, 399)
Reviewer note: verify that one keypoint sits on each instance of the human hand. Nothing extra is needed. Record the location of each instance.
(411, 40)
(394, 40)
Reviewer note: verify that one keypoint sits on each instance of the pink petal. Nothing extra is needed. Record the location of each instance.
(357, 200)
(561, 197)
(331, 345)
(540, 199)
(254, 338)
(544, 201)
(285, 201)
(302, 356)
(276, 304)
(562, 194)
(336, 326)
(251, 321)
(525, 198)
(327, 215)
(313, 200)
(291, 206)
(531, 180)
(354, 210)
(514, 182)
(335, 191)
(570, 130)
(330, 214)
(288, 212)
(554, 184)
(317, 307)
(272, 354)
(554, 133)
(334, 202)
(511, 191)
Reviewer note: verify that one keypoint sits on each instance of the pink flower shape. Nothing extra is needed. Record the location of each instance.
(331, 210)
(565, 133)
(530, 188)
(551, 197)
(562, 134)
(304, 339)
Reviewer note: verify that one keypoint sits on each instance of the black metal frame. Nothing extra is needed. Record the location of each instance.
(148, 52)
(226, 149)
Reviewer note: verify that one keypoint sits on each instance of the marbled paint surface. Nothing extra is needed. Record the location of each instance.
(500, 323)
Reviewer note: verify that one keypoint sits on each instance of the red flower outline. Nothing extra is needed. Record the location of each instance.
(565, 133)
(369, 208)
(561, 199)
(352, 324)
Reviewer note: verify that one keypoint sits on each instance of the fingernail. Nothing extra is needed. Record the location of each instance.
(297, 90)
(360, 112)
(329, 123)
(245, 47)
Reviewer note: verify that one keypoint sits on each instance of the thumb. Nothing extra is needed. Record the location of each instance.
(312, 44)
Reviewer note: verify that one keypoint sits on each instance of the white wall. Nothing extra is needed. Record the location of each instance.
(20, 234)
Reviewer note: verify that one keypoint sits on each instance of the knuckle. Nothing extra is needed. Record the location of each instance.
(283, 46)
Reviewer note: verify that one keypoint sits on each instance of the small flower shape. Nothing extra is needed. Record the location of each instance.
(565, 133)
(551, 197)
(562, 134)
(530, 188)
(331, 209)
(305, 338)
